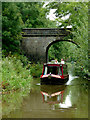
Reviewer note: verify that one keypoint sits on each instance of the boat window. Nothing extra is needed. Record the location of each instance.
(65, 69)
(53, 70)
(60, 72)
(45, 70)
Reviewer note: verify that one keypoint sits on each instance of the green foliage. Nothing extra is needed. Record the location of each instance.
(77, 17)
(36, 69)
(11, 27)
(33, 14)
(14, 75)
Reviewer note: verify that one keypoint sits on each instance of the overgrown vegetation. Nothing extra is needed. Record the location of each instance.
(15, 74)
(36, 70)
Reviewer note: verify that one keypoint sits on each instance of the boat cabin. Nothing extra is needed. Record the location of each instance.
(57, 69)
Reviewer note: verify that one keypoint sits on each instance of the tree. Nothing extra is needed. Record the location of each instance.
(16, 16)
(77, 17)
(11, 27)
(34, 15)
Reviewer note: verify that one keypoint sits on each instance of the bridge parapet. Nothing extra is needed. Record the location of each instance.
(45, 32)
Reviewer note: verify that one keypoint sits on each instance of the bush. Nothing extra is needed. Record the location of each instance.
(14, 74)
(36, 69)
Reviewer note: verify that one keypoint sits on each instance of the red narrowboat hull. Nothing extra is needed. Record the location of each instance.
(54, 80)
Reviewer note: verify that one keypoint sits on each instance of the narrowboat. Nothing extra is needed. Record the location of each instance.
(54, 73)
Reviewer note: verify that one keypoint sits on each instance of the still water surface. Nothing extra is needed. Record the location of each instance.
(53, 101)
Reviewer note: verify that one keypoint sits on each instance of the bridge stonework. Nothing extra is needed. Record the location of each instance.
(36, 41)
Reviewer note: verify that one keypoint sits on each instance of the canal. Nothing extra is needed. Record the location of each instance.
(49, 101)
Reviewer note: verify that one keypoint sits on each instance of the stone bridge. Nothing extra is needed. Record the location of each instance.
(36, 41)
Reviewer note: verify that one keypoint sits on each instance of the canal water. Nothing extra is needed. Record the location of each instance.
(50, 101)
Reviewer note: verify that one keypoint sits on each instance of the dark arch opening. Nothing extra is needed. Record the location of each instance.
(56, 42)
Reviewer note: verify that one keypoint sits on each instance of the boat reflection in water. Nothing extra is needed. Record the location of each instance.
(52, 94)
(57, 96)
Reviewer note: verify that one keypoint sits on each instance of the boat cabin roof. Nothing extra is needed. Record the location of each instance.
(49, 64)
(54, 63)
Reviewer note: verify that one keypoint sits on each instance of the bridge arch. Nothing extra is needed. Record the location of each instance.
(47, 48)
(36, 41)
